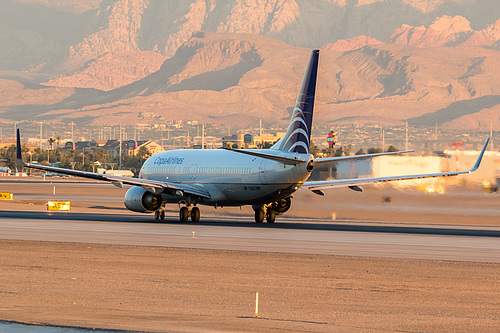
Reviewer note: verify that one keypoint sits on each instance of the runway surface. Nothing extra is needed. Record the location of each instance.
(310, 236)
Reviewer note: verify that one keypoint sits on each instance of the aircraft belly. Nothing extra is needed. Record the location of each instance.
(243, 194)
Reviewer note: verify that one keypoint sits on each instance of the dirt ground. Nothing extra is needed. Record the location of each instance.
(175, 290)
(178, 290)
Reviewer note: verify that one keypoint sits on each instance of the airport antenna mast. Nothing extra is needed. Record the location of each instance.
(120, 142)
(202, 136)
(41, 134)
(491, 135)
(406, 142)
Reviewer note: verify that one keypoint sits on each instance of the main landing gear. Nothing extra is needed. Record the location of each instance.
(264, 211)
(187, 211)
(160, 214)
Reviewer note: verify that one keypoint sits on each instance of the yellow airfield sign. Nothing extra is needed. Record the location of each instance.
(58, 205)
(6, 196)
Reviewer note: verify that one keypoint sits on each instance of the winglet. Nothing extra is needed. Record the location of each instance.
(19, 155)
(479, 159)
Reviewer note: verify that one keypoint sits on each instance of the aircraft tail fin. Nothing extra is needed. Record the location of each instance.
(19, 155)
(298, 136)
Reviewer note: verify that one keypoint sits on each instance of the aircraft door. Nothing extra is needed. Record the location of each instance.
(262, 171)
(193, 171)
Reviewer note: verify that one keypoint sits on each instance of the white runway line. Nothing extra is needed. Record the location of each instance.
(200, 235)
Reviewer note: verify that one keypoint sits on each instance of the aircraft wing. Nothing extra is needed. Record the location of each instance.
(317, 186)
(153, 186)
(357, 157)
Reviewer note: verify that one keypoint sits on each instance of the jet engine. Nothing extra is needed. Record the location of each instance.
(139, 200)
(282, 206)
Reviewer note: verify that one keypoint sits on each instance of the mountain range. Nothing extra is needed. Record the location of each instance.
(237, 61)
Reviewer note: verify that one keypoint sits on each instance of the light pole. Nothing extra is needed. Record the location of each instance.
(120, 146)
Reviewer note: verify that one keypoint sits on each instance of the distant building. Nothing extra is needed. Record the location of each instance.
(251, 141)
(465, 159)
(211, 142)
(267, 139)
(130, 147)
(235, 139)
(87, 145)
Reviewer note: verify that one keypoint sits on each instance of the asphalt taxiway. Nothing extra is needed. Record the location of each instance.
(289, 235)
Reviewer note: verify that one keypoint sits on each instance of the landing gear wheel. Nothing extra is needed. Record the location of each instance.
(157, 214)
(271, 216)
(195, 214)
(259, 215)
(162, 215)
(183, 214)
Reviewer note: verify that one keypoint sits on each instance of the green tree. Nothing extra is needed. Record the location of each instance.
(101, 155)
(392, 149)
(347, 150)
(133, 163)
(51, 142)
(143, 153)
(8, 156)
(313, 150)
(374, 150)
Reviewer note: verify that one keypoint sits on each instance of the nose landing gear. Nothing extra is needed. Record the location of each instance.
(159, 214)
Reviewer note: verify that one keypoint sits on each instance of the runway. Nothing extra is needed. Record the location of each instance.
(289, 235)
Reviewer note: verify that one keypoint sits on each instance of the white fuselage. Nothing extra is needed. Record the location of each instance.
(231, 178)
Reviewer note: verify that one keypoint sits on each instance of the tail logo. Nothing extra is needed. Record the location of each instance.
(298, 140)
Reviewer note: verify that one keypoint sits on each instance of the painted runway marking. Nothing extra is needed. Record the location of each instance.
(256, 237)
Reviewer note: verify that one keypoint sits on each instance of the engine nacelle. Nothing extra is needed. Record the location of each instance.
(139, 200)
(282, 206)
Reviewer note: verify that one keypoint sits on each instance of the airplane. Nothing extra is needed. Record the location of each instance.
(5, 170)
(124, 173)
(263, 178)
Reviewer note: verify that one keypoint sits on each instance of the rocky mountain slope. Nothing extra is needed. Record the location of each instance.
(425, 61)
(236, 80)
(66, 34)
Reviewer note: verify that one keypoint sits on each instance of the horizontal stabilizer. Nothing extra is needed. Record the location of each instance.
(285, 160)
(357, 157)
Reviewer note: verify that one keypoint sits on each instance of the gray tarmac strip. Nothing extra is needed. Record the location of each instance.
(289, 235)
